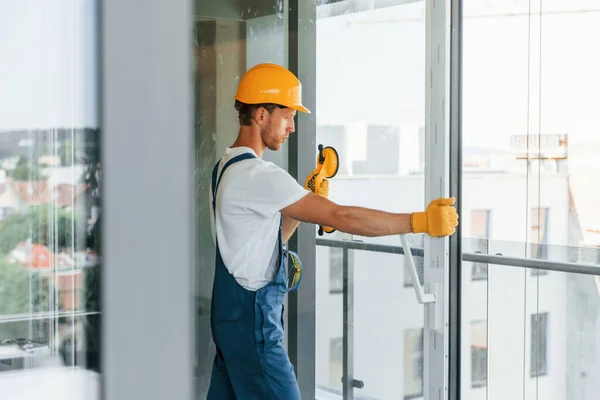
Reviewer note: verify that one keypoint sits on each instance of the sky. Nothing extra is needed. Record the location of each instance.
(521, 74)
(48, 64)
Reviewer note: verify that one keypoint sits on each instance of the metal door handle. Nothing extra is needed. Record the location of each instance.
(435, 320)
(409, 263)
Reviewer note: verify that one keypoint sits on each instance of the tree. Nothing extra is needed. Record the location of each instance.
(25, 171)
(21, 291)
(46, 224)
(14, 230)
(14, 288)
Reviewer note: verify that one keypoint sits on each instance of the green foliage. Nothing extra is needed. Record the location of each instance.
(15, 284)
(25, 171)
(21, 291)
(13, 230)
(46, 224)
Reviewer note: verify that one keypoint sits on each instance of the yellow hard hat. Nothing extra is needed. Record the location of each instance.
(271, 83)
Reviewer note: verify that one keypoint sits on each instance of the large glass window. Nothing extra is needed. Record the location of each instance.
(530, 145)
(370, 64)
(50, 204)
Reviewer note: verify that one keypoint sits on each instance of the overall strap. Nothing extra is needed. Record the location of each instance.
(215, 182)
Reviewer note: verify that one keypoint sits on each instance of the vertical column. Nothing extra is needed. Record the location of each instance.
(148, 234)
(302, 155)
(436, 270)
(455, 271)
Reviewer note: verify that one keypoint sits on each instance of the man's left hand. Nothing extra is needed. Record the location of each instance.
(323, 190)
(316, 183)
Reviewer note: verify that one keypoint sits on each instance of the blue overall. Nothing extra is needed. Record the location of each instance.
(247, 328)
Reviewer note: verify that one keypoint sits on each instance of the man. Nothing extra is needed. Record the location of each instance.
(256, 208)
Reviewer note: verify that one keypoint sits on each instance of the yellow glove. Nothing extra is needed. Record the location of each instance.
(439, 219)
(323, 190)
(316, 182)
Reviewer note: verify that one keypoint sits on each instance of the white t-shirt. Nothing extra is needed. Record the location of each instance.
(249, 199)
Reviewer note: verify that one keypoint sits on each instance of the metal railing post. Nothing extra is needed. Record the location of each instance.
(348, 329)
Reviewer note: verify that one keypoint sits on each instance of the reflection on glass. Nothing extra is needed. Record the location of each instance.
(49, 203)
(371, 108)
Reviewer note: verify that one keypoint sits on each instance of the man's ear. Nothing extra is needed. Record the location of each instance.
(259, 115)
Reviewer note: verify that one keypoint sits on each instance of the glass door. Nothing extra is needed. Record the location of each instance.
(371, 102)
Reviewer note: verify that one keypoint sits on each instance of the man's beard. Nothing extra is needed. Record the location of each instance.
(270, 140)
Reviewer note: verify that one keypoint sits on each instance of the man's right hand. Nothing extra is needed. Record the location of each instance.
(439, 219)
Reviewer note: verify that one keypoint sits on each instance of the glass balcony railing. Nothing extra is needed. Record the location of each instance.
(540, 311)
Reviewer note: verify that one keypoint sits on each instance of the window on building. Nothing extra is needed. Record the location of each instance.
(479, 353)
(336, 270)
(480, 231)
(336, 361)
(539, 236)
(413, 363)
(539, 344)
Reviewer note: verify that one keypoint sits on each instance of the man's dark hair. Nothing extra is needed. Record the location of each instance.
(246, 111)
